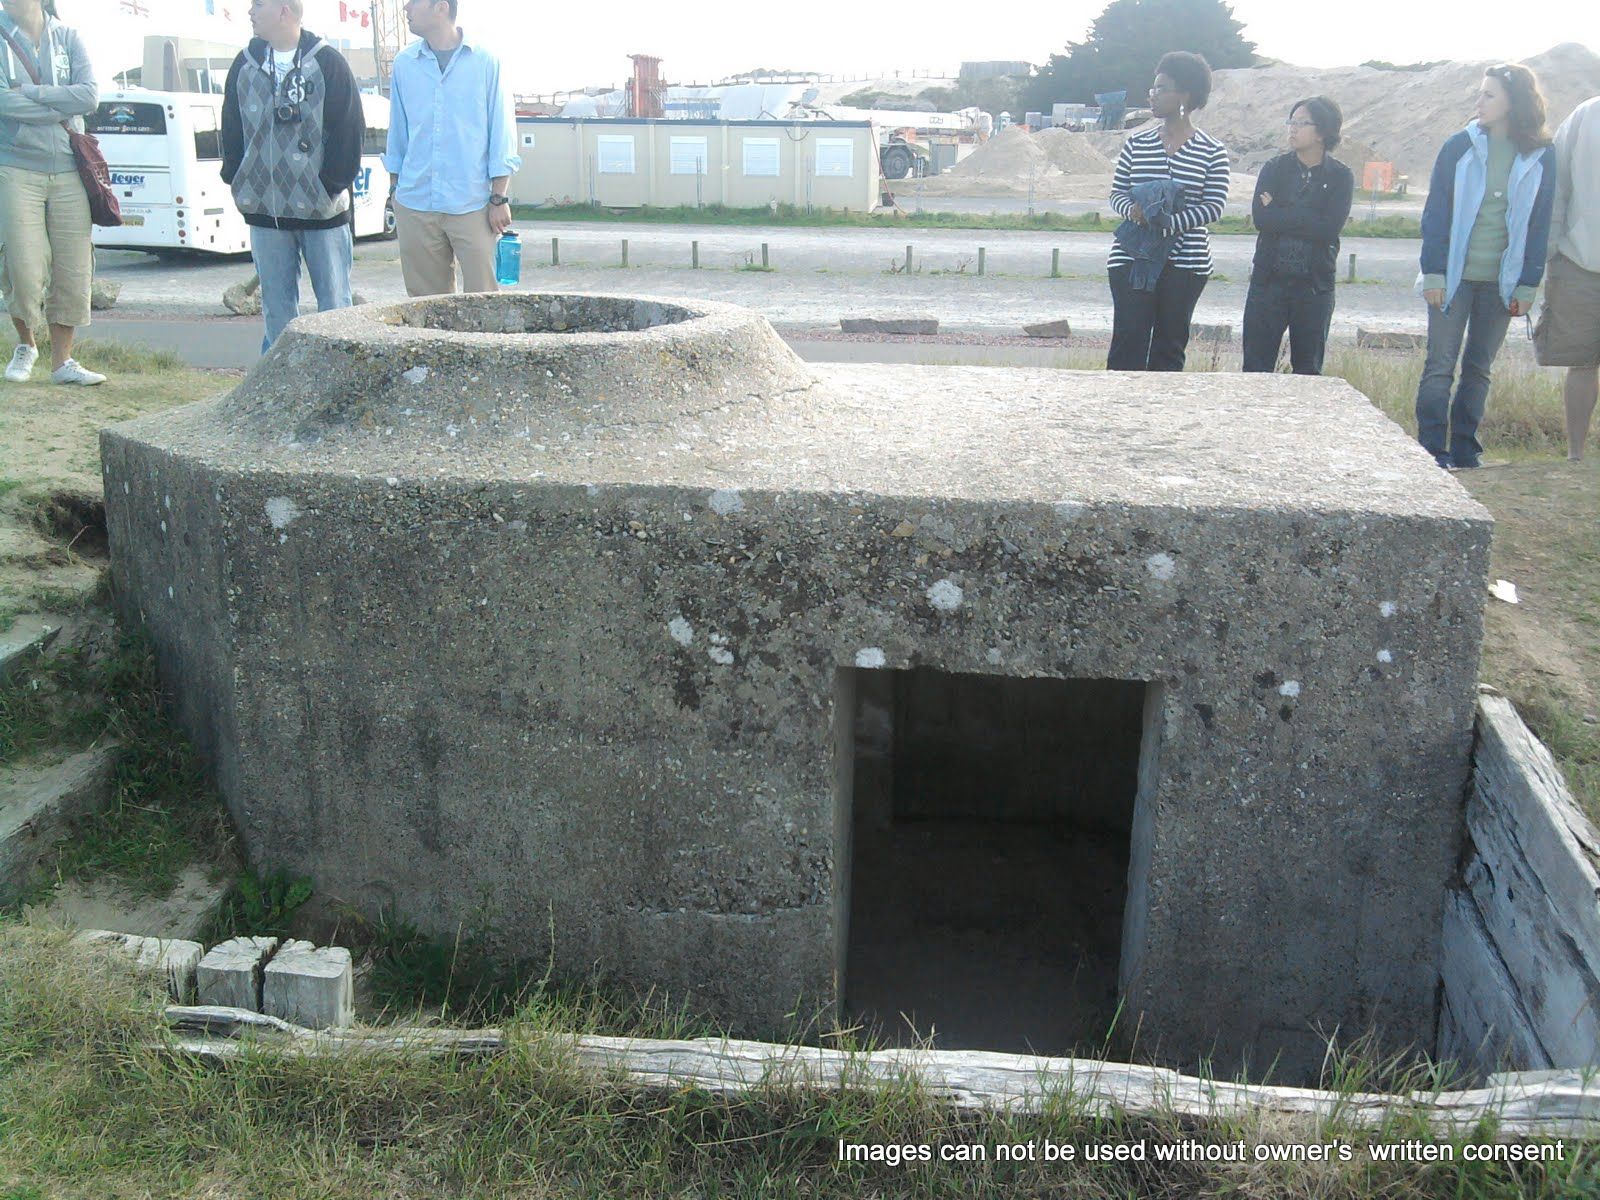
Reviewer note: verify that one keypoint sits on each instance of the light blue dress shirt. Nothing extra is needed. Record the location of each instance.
(450, 131)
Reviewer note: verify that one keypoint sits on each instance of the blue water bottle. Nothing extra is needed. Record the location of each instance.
(508, 260)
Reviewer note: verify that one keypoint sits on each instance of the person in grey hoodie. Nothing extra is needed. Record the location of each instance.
(44, 210)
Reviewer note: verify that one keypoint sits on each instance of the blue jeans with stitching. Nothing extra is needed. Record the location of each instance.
(1448, 429)
(278, 253)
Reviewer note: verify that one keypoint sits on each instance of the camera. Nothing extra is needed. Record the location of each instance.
(287, 113)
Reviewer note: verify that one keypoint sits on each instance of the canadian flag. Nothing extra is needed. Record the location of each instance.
(355, 12)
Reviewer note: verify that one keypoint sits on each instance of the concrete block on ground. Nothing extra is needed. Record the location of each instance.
(1388, 339)
(103, 294)
(917, 324)
(1061, 328)
(1211, 333)
(40, 805)
(310, 986)
(176, 958)
(244, 299)
(230, 974)
(27, 636)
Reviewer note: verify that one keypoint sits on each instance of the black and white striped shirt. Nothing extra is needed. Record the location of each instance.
(1200, 167)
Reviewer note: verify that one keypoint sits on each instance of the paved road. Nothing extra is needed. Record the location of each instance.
(820, 275)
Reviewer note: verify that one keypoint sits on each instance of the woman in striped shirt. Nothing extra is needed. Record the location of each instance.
(1150, 329)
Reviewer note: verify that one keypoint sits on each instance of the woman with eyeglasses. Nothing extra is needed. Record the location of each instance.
(1302, 201)
(46, 86)
(1161, 259)
(1485, 229)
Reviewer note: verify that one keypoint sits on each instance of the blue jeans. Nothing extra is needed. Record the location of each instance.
(1478, 314)
(277, 253)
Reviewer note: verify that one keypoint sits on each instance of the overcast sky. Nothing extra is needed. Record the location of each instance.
(547, 47)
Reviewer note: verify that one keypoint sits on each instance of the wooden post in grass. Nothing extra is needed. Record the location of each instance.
(694, 255)
(555, 252)
(624, 252)
(980, 260)
(908, 260)
(1055, 264)
(765, 262)
(1352, 278)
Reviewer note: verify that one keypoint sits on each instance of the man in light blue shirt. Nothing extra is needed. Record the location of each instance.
(451, 152)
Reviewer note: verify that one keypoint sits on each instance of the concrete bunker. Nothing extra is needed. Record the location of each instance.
(549, 615)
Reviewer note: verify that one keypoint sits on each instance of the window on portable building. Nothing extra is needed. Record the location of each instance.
(835, 157)
(616, 154)
(761, 156)
(686, 156)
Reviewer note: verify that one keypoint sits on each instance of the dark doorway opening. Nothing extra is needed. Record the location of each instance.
(989, 826)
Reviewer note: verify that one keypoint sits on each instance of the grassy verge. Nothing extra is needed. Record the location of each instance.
(830, 218)
(165, 814)
(89, 1108)
(49, 447)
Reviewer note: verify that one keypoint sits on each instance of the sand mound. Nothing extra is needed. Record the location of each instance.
(1401, 117)
(1014, 156)
(1072, 153)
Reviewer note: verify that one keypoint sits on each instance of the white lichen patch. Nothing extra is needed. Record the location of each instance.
(870, 658)
(994, 656)
(415, 375)
(1385, 657)
(726, 500)
(682, 632)
(1290, 688)
(282, 511)
(1161, 566)
(719, 651)
(1388, 608)
(946, 595)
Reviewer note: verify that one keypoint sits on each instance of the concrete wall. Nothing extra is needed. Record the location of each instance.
(1521, 959)
(563, 160)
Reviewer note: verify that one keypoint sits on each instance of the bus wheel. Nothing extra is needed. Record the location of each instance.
(390, 230)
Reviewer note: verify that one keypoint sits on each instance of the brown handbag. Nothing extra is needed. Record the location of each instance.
(104, 210)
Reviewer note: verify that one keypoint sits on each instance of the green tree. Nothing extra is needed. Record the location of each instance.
(1128, 39)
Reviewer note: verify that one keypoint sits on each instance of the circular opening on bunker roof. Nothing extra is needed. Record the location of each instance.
(519, 312)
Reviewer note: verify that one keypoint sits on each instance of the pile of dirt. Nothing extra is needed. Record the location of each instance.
(1401, 117)
(1072, 153)
(1012, 157)
(1394, 116)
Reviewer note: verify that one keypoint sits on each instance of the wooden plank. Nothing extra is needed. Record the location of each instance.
(1531, 797)
(1565, 1106)
(1484, 1000)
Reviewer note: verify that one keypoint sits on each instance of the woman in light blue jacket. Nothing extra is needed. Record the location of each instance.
(1484, 232)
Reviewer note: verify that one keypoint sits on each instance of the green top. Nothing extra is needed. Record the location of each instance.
(1486, 244)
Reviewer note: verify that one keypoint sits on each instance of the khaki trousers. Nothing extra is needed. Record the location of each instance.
(433, 245)
(49, 255)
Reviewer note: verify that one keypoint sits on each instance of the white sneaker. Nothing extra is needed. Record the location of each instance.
(21, 365)
(72, 371)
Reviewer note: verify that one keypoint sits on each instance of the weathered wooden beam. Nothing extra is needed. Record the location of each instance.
(1566, 1105)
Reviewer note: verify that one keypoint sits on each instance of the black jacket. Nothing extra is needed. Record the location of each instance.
(275, 189)
(1316, 215)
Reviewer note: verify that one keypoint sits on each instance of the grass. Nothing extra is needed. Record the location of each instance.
(88, 1107)
(165, 814)
(797, 216)
(49, 446)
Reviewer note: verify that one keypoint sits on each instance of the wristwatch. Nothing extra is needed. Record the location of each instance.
(498, 200)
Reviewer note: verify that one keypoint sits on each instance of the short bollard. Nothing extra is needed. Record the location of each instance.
(908, 260)
(1352, 266)
(765, 260)
(555, 252)
(694, 255)
(624, 252)
(1055, 264)
(980, 260)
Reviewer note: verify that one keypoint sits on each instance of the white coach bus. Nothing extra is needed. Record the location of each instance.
(164, 150)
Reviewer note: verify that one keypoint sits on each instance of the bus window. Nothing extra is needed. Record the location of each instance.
(207, 139)
(117, 117)
(375, 141)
